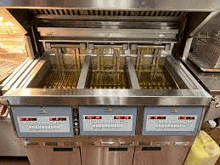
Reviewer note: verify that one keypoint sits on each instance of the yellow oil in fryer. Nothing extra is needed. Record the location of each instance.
(151, 73)
(65, 70)
(108, 69)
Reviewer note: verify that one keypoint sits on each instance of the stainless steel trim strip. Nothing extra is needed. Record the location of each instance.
(131, 74)
(17, 75)
(107, 33)
(32, 74)
(67, 97)
(84, 73)
(106, 40)
(25, 74)
(187, 48)
(14, 73)
(151, 46)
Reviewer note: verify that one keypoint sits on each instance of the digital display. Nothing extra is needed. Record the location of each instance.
(28, 119)
(57, 119)
(93, 117)
(157, 117)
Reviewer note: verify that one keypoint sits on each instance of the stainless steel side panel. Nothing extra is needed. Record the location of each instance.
(173, 155)
(47, 156)
(105, 156)
(173, 151)
(39, 156)
(9, 142)
(92, 155)
(103, 150)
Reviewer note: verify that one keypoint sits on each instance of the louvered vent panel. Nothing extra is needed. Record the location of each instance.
(107, 12)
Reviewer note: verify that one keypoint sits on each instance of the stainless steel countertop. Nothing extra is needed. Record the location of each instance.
(132, 97)
(191, 94)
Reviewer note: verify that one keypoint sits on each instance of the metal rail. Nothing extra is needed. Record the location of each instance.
(109, 33)
(131, 74)
(84, 75)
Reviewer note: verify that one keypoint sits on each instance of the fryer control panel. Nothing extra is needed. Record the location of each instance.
(109, 121)
(171, 123)
(182, 121)
(43, 121)
(43, 124)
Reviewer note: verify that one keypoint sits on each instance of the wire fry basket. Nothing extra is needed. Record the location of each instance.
(206, 53)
